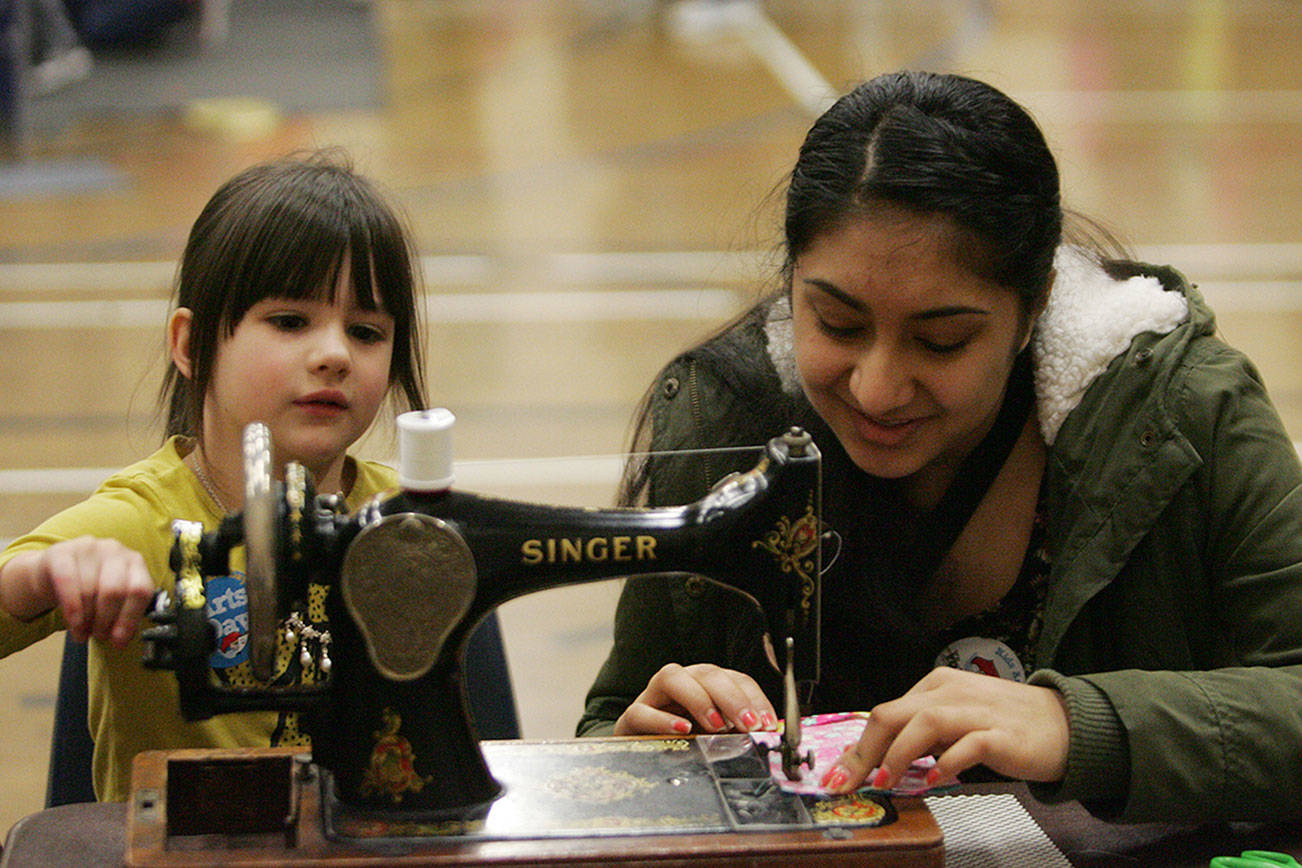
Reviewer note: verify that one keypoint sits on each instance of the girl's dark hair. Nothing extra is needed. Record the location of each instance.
(934, 144)
(284, 229)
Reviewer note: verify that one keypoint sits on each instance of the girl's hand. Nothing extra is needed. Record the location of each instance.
(964, 719)
(716, 699)
(102, 587)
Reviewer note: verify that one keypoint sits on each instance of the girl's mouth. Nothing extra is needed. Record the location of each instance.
(326, 402)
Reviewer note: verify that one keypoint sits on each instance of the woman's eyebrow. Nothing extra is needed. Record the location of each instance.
(951, 310)
(934, 313)
(840, 295)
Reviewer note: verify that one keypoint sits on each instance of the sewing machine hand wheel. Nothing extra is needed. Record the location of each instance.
(260, 549)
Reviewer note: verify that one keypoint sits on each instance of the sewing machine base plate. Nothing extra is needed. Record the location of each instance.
(661, 802)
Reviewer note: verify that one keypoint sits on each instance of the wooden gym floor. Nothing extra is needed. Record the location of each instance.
(591, 187)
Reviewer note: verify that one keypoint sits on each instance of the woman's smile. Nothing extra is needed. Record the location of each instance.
(887, 433)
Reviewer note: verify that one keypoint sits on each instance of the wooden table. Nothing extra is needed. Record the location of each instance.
(111, 834)
(94, 835)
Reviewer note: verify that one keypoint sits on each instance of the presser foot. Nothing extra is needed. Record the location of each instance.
(793, 759)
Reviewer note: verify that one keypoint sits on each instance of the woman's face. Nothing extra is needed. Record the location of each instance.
(902, 351)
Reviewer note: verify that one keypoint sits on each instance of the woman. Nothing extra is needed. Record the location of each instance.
(1039, 464)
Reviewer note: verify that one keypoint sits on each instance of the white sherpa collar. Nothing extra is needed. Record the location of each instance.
(1089, 319)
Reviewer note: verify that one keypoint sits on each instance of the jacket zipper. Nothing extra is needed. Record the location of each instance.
(694, 396)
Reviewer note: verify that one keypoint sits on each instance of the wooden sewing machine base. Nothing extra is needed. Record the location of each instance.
(566, 803)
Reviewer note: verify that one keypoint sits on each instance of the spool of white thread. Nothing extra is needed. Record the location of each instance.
(425, 450)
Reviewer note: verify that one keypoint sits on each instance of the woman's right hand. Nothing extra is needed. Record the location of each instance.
(102, 587)
(702, 696)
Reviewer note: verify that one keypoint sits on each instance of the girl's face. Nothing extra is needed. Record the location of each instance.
(314, 371)
(902, 351)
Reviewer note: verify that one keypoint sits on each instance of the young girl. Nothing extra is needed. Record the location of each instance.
(1039, 463)
(295, 306)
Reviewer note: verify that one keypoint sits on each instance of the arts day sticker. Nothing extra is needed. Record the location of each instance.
(228, 612)
(987, 656)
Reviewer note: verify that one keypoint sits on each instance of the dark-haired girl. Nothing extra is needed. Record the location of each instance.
(295, 306)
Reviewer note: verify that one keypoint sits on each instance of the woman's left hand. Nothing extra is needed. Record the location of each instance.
(964, 719)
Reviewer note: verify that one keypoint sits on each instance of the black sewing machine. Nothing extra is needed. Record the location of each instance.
(378, 604)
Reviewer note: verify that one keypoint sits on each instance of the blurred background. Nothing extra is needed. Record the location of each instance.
(592, 185)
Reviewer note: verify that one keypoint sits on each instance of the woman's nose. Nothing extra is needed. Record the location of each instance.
(880, 381)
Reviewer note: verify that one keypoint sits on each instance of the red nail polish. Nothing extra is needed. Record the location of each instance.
(835, 778)
(714, 719)
(933, 775)
(749, 720)
(682, 726)
(882, 779)
(767, 720)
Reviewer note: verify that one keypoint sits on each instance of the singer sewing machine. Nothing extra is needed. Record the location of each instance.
(378, 606)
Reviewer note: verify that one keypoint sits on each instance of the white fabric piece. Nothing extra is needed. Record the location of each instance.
(992, 831)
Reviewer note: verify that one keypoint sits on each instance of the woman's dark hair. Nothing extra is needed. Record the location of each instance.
(284, 229)
(898, 144)
(935, 145)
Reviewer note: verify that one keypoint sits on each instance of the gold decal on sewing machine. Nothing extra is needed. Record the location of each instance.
(858, 809)
(392, 771)
(795, 545)
(595, 549)
(597, 785)
(189, 578)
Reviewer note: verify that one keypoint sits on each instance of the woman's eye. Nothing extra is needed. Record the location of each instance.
(942, 347)
(837, 328)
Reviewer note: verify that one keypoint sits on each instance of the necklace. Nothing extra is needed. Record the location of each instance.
(207, 483)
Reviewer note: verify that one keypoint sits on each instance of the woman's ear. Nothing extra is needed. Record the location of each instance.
(178, 339)
(1033, 316)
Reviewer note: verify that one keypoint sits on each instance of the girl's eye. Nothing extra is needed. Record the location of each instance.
(287, 322)
(368, 334)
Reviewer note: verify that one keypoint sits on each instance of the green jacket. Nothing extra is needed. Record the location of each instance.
(1173, 617)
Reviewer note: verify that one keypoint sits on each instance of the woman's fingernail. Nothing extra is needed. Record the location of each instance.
(714, 719)
(749, 720)
(835, 778)
(882, 779)
(767, 720)
(933, 776)
(682, 726)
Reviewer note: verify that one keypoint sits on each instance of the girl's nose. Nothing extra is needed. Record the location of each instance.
(880, 381)
(330, 351)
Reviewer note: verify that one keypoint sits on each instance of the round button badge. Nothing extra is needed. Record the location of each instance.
(987, 656)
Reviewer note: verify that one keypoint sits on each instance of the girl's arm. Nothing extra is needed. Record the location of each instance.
(101, 587)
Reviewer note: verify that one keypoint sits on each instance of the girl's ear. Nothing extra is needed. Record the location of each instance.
(178, 339)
